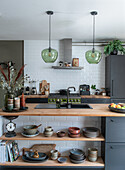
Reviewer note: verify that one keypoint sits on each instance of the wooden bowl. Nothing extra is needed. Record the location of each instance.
(61, 134)
(74, 136)
(74, 130)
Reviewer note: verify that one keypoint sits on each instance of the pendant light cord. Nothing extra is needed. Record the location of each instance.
(93, 50)
(49, 33)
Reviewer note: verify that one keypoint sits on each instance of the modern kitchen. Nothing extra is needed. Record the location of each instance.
(62, 95)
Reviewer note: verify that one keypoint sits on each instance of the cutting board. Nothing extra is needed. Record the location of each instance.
(44, 148)
(42, 86)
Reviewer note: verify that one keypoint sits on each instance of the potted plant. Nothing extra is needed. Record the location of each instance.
(113, 47)
(93, 87)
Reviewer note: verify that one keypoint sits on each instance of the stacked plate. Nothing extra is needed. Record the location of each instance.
(77, 156)
(91, 132)
(29, 136)
(29, 157)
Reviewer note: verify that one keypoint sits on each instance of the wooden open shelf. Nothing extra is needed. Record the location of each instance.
(54, 138)
(20, 162)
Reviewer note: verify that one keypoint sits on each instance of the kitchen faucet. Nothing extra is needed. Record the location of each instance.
(68, 104)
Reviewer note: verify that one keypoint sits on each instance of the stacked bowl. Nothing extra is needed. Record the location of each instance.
(91, 132)
(77, 156)
(48, 132)
(74, 132)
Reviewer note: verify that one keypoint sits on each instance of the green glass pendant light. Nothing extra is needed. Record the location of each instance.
(49, 55)
(93, 56)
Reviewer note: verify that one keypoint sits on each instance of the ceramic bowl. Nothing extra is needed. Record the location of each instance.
(61, 134)
(77, 152)
(48, 129)
(77, 158)
(91, 132)
(76, 161)
(48, 133)
(74, 136)
(74, 130)
(62, 159)
(28, 129)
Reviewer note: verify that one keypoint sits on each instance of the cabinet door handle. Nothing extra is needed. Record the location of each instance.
(111, 120)
(111, 147)
(117, 147)
(112, 87)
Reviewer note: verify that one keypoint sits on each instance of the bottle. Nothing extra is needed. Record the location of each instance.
(58, 103)
(22, 101)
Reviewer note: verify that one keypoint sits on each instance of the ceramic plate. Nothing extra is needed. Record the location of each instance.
(42, 156)
(76, 161)
(116, 109)
(29, 136)
(24, 158)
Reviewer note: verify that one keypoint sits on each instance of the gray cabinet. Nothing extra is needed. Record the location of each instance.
(115, 156)
(113, 151)
(115, 129)
(114, 71)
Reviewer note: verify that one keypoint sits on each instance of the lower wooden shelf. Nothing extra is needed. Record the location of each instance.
(54, 138)
(20, 162)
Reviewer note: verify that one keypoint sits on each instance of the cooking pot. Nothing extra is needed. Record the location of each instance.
(63, 91)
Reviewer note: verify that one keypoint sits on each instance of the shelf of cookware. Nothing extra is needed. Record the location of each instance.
(20, 162)
(54, 138)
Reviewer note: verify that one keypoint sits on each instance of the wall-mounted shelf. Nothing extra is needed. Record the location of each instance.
(54, 137)
(67, 68)
(20, 162)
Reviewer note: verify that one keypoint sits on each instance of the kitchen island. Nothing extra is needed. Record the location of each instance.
(112, 137)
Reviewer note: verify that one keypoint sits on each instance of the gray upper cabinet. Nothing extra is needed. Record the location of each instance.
(115, 81)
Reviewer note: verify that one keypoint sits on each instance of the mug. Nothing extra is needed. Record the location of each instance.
(17, 102)
(54, 154)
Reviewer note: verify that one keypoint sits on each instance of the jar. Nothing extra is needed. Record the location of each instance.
(8, 100)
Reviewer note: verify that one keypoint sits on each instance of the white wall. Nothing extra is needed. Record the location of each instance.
(39, 70)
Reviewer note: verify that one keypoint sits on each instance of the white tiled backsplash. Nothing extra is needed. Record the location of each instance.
(58, 79)
(38, 70)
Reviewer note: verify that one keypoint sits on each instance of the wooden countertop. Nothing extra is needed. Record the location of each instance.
(95, 96)
(36, 96)
(82, 96)
(100, 110)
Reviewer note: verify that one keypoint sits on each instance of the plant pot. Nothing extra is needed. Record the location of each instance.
(114, 52)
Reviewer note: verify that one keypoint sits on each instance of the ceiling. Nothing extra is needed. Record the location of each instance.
(27, 20)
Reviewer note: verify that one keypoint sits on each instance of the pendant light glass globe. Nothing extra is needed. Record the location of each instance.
(93, 56)
(49, 55)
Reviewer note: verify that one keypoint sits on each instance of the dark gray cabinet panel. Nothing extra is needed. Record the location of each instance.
(115, 129)
(115, 82)
(115, 156)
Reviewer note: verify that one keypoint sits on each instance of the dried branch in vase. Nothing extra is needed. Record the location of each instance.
(13, 81)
